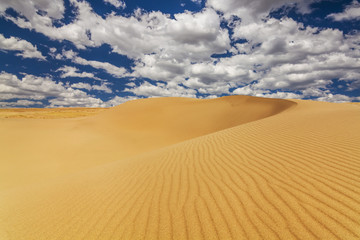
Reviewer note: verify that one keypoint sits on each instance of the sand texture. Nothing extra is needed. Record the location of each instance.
(172, 168)
(48, 113)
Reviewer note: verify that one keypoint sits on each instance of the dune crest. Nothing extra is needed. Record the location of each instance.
(39, 148)
(251, 169)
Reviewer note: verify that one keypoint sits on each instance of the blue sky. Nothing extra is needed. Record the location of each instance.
(72, 53)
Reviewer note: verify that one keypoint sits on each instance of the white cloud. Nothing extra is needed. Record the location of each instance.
(103, 87)
(19, 103)
(70, 54)
(108, 67)
(313, 93)
(351, 12)
(40, 15)
(163, 47)
(119, 100)
(250, 11)
(197, 1)
(82, 85)
(116, 3)
(27, 50)
(29, 87)
(75, 98)
(250, 90)
(37, 12)
(216, 88)
(278, 55)
(275, 56)
(316, 71)
(188, 35)
(160, 68)
(68, 71)
(73, 56)
(283, 95)
(162, 90)
(283, 54)
(32, 88)
(337, 98)
(288, 36)
(52, 52)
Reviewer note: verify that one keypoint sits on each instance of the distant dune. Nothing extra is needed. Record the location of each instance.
(174, 168)
(48, 113)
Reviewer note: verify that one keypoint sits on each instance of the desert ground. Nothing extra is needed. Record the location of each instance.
(234, 167)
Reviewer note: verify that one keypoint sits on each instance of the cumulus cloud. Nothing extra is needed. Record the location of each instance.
(73, 56)
(264, 56)
(108, 67)
(351, 12)
(252, 90)
(310, 93)
(119, 100)
(189, 35)
(70, 54)
(82, 85)
(68, 71)
(161, 68)
(162, 90)
(283, 54)
(32, 90)
(103, 87)
(250, 11)
(35, 13)
(276, 37)
(25, 48)
(197, 1)
(35, 88)
(278, 54)
(19, 103)
(116, 3)
(337, 98)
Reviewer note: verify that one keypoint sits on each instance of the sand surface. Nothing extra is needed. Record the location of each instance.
(48, 113)
(173, 168)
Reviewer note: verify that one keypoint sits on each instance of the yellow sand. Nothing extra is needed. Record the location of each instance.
(48, 113)
(172, 168)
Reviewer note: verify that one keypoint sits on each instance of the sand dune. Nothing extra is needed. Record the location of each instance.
(228, 168)
(41, 149)
(48, 113)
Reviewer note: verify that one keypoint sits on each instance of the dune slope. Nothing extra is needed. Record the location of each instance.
(292, 174)
(36, 148)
